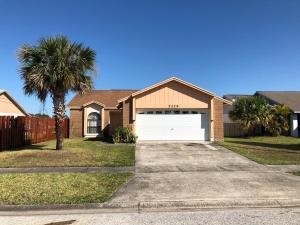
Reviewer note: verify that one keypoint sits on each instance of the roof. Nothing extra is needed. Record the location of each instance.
(179, 81)
(105, 98)
(13, 100)
(233, 97)
(289, 98)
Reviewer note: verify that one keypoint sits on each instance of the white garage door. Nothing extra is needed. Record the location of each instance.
(187, 127)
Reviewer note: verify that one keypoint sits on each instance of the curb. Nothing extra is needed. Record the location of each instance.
(152, 206)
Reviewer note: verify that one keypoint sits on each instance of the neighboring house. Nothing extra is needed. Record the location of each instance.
(170, 110)
(289, 98)
(9, 106)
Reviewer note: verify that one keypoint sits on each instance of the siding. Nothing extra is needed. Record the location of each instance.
(173, 95)
(7, 107)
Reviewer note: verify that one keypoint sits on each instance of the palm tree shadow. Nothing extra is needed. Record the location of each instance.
(29, 147)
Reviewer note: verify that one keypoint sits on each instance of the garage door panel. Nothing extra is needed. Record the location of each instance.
(172, 127)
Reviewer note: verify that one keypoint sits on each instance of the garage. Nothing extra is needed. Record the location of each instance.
(173, 110)
(172, 125)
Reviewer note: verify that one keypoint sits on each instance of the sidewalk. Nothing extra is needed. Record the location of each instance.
(285, 168)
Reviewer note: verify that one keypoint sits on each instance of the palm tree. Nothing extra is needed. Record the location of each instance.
(250, 112)
(279, 121)
(53, 68)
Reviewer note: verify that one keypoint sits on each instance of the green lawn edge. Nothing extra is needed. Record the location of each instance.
(59, 188)
(280, 150)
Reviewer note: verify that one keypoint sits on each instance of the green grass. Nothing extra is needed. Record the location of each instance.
(77, 152)
(59, 188)
(297, 173)
(266, 150)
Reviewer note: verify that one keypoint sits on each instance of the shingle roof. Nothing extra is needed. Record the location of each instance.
(233, 97)
(107, 97)
(289, 98)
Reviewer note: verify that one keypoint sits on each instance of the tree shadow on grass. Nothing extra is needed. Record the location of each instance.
(107, 140)
(29, 147)
(294, 147)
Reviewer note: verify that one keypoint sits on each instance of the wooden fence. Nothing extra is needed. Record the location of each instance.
(19, 131)
(235, 130)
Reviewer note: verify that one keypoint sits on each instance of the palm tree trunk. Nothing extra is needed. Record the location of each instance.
(59, 113)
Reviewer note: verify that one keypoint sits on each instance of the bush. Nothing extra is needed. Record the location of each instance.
(123, 135)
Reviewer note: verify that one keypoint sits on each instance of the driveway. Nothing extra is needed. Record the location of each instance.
(200, 172)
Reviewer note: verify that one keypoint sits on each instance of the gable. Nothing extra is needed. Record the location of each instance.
(172, 94)
(9, 107)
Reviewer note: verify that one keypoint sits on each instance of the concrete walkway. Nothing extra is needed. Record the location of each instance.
(285, 168)
(68, 170)
(197, 175)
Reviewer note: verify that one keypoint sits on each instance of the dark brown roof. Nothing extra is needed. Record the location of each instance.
(234, 97)
(289, 98)
(107, 97)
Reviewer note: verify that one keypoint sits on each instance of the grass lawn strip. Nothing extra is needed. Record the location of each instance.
(78, 152)
(266, 150)
(59, 188)
(297, 173)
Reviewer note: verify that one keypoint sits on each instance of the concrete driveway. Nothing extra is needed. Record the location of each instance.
(203, 174)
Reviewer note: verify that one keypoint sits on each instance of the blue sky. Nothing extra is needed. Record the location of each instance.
(222, 46)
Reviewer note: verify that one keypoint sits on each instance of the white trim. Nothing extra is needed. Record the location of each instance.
(10, 114)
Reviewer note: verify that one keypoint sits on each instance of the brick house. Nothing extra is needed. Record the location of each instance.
(170, 110)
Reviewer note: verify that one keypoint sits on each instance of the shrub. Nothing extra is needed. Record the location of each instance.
(123, 135)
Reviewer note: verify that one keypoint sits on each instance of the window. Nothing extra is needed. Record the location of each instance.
(185, 112)
(158, 112)
(94, 123)
(176, 112)
(150, 112)
(167, 112)
(194, 112)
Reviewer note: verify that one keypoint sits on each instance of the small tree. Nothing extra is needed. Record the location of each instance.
(250, 112)
(54, 67)
(279, 120)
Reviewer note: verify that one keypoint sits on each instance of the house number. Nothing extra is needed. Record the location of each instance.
(173, 106)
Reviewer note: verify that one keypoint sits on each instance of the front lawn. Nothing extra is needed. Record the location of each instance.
(77, 152)
(59, 188)
(266, 150)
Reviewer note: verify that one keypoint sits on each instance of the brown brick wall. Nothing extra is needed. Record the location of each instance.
(127, 114)
(115, 120)
(218, 120)
(76, 124)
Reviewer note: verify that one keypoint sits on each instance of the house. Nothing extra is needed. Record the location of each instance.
(9, 106)
(289, 98)
(170, 110)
